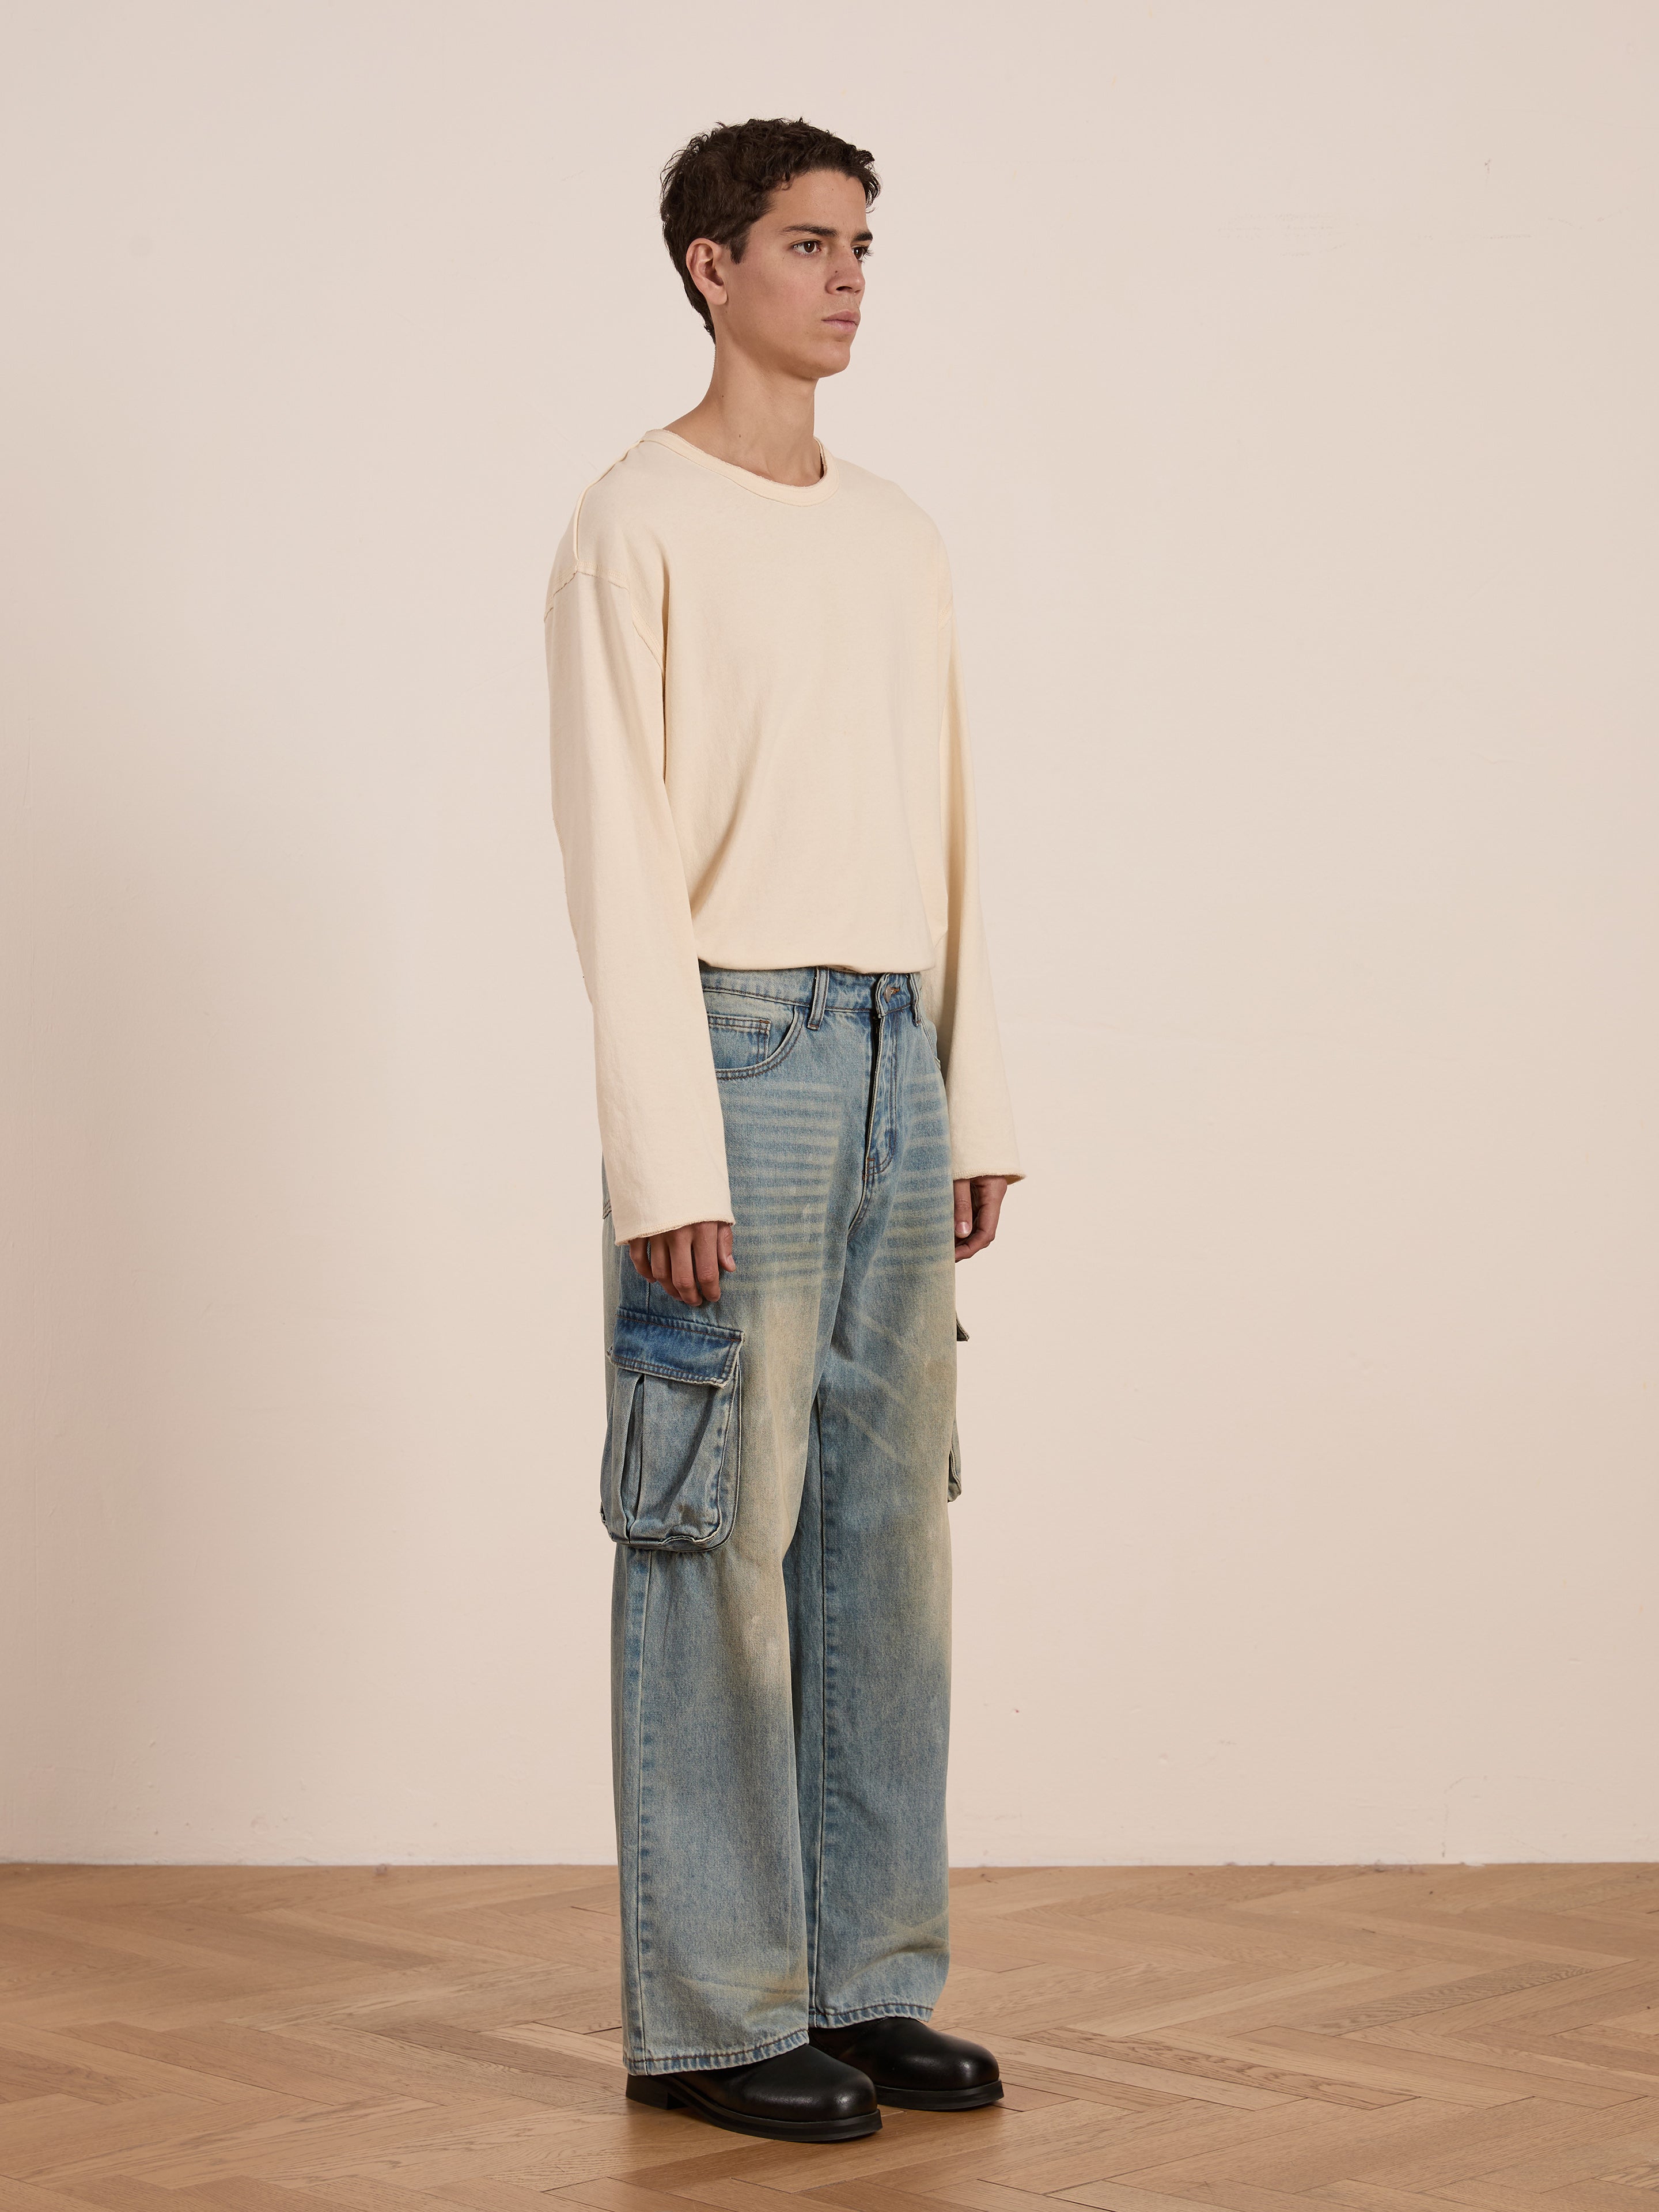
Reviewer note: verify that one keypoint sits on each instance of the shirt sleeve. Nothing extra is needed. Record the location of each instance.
(661, 1127)
(957, 995)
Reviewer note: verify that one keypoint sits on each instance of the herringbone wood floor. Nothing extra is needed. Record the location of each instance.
(1268, 2039)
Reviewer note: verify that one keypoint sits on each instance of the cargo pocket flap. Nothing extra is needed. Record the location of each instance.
(683, 1351)
(669, 1476)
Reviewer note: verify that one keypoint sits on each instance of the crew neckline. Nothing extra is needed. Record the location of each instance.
(793, 494)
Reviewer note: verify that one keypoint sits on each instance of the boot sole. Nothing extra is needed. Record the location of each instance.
(940, 2100)
(665, 2092)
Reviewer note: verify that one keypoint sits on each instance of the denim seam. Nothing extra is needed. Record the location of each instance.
(732, 991)
(824, 1716)
(621, 1461)
(639, 1801)
(827, 1599)
(725, 1493)
(896, 2010)
(682, 2062)
(865, 1177)
(679, 1374)
(886, 1146)
(801, 1006)
(674, 1320)
(869, 1179)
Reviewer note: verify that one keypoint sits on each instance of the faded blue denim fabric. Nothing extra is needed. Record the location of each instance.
(776, 1472)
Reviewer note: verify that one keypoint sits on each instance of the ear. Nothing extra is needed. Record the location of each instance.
(704, 262)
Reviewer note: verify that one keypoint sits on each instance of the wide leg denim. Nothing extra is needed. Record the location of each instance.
(776, 1472)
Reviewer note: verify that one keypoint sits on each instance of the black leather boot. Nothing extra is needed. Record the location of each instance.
(909, 2063)
(803, 2095)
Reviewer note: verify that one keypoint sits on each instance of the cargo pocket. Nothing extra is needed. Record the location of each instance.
(953, 1479)
(669, 1476)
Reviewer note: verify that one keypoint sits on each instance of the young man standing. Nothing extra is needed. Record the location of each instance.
(764, 794)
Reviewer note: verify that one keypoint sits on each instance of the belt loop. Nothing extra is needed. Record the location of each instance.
(820, 992)
(916, 998)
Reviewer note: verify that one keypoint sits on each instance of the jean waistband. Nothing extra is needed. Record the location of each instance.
(821, 990)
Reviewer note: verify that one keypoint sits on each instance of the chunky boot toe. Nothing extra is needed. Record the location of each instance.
(803, 2095)
(909, 2063)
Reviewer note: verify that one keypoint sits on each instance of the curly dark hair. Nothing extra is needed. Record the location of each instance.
(718, 183)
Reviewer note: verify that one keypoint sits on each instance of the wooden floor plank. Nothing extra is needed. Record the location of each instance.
(1239, 2039)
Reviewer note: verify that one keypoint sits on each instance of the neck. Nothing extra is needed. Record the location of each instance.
(756, 417)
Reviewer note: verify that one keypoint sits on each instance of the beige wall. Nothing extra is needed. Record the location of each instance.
(1282, 377)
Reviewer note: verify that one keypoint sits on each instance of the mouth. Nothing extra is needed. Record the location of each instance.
(847, 323)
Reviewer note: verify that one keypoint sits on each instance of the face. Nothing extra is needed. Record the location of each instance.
(792, 302)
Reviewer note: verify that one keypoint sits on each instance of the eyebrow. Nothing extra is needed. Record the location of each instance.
(822, 230)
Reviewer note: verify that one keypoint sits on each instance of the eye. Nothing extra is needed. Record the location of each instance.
(862, 252)
(808, 245)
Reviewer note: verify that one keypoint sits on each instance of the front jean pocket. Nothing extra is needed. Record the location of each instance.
(748, 1035)
(668, 1475)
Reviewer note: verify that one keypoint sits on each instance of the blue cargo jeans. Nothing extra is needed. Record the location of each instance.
(776, 1471)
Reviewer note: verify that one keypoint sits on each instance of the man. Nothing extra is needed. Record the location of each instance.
(764, 798)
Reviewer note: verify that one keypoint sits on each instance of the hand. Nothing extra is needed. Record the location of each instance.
(978, 1203)
(687, 1262)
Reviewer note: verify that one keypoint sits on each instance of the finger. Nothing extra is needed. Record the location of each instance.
(639, 1251)
(681, 1280)
(727, 1261)
(662, 1264)
(986, 1193)
(964, 1205)
(706, 1258)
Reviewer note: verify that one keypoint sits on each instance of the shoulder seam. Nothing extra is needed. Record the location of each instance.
(576, 519)
(585, 568)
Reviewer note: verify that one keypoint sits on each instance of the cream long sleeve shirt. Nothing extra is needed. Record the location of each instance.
(760, 760)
